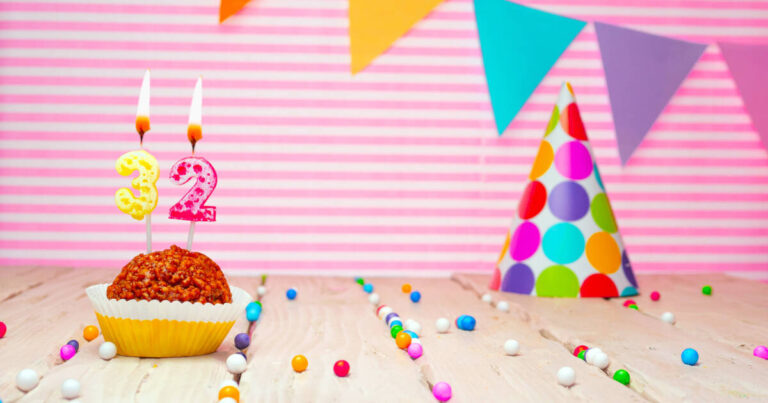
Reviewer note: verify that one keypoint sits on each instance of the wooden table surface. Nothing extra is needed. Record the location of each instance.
(331, 319)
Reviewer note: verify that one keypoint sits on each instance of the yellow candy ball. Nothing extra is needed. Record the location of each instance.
(403, 340)
(299, 363)
(90, 332)
(406, 288)
(229, 391)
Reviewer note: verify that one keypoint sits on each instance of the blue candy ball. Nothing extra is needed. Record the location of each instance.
(242, 341)
(368, 288)
(690, 356)
(74, 344)
(467, 323)
(253, 311)
(291, 293)
(412, 334)
(415, 296)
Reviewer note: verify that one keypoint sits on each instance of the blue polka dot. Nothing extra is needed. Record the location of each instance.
(597, 176)
(629, 291)
(563, 243)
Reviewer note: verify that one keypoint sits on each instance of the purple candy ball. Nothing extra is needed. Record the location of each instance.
(761, 351)
(67, 351)
(242, 341)
(391, 315)
(442, 391)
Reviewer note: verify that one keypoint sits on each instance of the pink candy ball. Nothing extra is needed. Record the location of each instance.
(655, 296)
(442, 391)
(628, 302)
(415, 350)
(2, 329)
(67, 351)
(761, 351)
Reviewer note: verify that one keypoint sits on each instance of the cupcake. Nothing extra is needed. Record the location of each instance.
(170, 303)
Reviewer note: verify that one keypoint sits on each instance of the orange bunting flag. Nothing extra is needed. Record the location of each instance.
(374, 25)
(228, 8)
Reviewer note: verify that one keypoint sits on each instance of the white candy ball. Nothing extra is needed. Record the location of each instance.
(502, 306)
(107, 350)
(591, 354)
(374, 298)
(229, 382)
(566, 376)
(27, 379)
(668, 317)
(487, 298)
(443, 325)
(227, 400)
(70, 388)
(512, 347)
(383, 312)
(601, 360)
(413, 326)
(261, 290)
(236, 364)
(416, 340)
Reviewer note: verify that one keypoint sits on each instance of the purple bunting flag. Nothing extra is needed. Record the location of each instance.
(642, 72)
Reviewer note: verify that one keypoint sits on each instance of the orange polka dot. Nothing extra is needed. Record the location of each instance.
(505, 249)
(543, 160)
(603, 253)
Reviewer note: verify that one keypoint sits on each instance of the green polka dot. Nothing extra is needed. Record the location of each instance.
(602, 213)
(557, 281)
(553, 121)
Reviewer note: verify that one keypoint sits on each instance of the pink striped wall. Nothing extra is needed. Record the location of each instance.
(395, 170)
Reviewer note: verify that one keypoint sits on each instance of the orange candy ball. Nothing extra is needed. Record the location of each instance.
(90, 332)
(299, 363)
(403, 340)
(229, 391)
(406, 288)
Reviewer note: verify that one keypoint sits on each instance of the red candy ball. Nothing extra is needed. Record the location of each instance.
(579, 349)
(341, 368)
(2, 329)
(655, 296)
(629, 302)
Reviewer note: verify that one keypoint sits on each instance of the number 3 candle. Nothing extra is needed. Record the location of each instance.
(192, 206)
(142, 161)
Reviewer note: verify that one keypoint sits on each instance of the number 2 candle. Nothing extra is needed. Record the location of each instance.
(141, 206)
(191, 207)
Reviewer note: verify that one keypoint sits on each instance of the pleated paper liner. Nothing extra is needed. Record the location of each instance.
(164, 328)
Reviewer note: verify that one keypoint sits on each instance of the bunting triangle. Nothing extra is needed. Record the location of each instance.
(520, 45)
(642, 72)
(375, 24)
(228, 8)
(748, 64)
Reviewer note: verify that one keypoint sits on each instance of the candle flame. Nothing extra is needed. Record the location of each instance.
(195, 127)
(142, 111)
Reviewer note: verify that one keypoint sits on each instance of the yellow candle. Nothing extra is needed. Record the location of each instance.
(145, 183)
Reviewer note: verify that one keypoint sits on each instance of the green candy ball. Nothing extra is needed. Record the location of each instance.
(583, 354)
(621, 376)
(395, 330)
(360, 281)
(633, 306)
(706, 290)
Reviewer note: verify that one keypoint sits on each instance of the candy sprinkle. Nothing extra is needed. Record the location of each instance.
(706, 290)
(70, 389)
(107, 350)
(341, 368)
(621, 376)
(242, 341)
(690, 356)
(67, 351)
(90, 332)
(655, 296)
(3, 328)
(291, 294)
(299, 363)
(27, 379)
(415, 296)
(442, 325)
(360, 281)
(231, 392)
(579, 349)
(442, 391)
(628, 302)
(403, 340)
(74, 344)
(566, 376)
(368, 288)
(406, 288)
(415, 350)
(761, 351)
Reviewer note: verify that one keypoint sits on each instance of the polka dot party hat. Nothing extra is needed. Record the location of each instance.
(564, 241)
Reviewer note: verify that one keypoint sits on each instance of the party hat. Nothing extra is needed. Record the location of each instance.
(564, 241)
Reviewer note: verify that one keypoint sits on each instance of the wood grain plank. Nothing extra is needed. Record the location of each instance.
(331, 319)
(648, 348)
(736, 314)
(475, 363)
(122, 379)
(15, 280)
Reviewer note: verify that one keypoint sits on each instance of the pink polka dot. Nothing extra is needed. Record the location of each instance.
(525, 241)
(573, 160)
